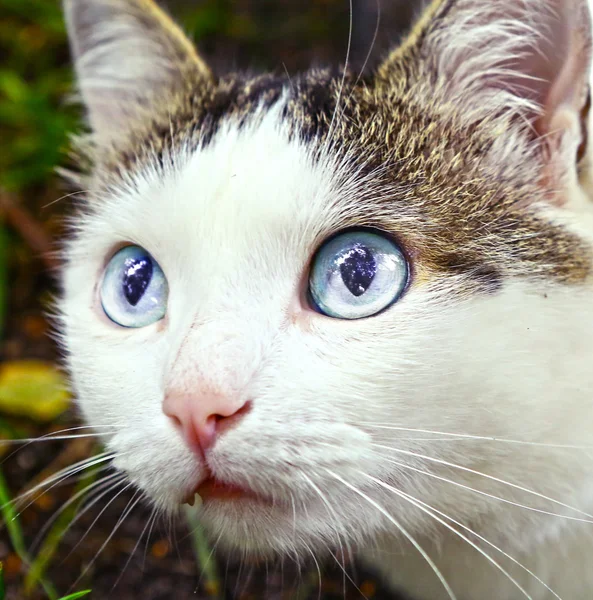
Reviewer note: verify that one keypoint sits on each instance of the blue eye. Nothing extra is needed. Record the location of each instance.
(134, 289)
(357, 274)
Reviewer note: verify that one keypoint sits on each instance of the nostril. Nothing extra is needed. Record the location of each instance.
(176, 421)
(223, 423)
(245, 409)
(201, 419)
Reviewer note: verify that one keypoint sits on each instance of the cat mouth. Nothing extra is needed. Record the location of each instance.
(212, 489)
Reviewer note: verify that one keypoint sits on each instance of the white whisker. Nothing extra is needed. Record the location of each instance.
(64, 197)
(153, 518)
(129, 508)
(370, 50)
(497, 480)
(58, 477)
(418, 505)
(465, 436)
(27, 441)
(134, 549)
(100, 513)
(334, 517)
(344, 74)
(485, 494)
(346, 574)
(84, 509)
(400, 528)
(489, 543)
(100, 484)
(318, 571)
(55, 435)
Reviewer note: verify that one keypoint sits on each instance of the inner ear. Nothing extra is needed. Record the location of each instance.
(560, 68)
(128, 55)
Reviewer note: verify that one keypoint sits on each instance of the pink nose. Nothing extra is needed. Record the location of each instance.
(201, 418)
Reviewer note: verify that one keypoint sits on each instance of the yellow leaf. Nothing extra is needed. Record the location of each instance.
(33, 389)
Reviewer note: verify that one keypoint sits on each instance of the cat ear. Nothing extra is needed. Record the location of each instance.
(526, 59)
(127, 54)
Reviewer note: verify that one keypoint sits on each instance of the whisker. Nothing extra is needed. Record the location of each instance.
(247, 579)
(476, 437)
(27, 441)
(100, 513)
(58, 477)
(486, 494)
(370, 50)
(400, 528)
(494, 546)
(334, 517)
(92, 501)
(288, 76)
(226, 574)
(152, 520)
(344, 74)
(492, 478)
(318, 571)
(132, 503)
(239, 576)
(418, 505)
(64, 197)
(346, 574)
(48, 436)
(134, 549)
(100, 484)
(294, 515)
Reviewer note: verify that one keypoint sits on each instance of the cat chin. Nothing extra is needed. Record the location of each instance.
(274, 531)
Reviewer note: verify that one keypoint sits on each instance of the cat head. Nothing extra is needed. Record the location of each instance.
(281, 287)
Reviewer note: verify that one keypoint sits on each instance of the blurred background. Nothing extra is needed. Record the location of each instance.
(51, 539)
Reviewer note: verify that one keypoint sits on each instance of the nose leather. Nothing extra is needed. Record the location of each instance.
(200, 417)
(207, 384)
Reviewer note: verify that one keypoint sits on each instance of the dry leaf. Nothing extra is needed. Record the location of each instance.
(33, 389)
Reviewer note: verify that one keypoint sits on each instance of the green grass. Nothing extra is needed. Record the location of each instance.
(204, 554)
(76, 595)
(52, 540)
(3, 275)
(35, 79)
(15, 533)
(38, 564)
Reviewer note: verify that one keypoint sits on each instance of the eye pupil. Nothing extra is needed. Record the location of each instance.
(358, 268)
(137, 276)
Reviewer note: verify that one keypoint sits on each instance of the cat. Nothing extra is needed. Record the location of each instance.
(345, 313)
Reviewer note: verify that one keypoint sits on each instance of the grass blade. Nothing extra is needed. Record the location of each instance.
(74, 596)
(15, 533)
(55, 535)
(3, 275)
(204, 555)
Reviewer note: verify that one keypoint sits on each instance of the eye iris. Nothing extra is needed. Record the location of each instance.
(358, 268)
(137, 276)
(356, 274)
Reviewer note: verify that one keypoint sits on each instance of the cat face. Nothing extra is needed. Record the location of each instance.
(250, 209)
